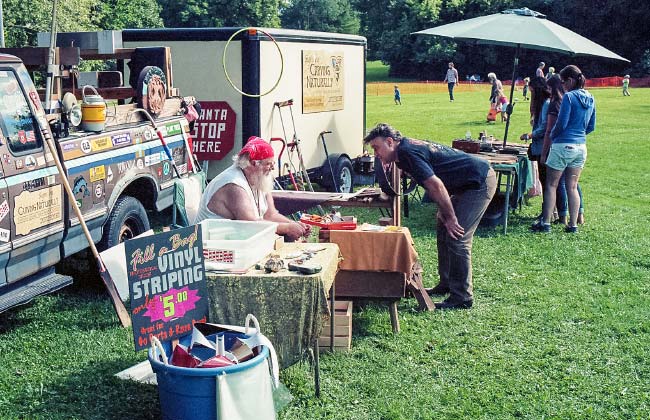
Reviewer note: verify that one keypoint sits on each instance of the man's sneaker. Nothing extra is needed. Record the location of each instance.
(540, 227)
(571, 229)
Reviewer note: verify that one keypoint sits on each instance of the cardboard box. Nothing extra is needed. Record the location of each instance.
(342, 328)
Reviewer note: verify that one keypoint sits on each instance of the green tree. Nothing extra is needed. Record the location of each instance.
(321, 15)
(217, 13)
(123, 14)
(23, 20)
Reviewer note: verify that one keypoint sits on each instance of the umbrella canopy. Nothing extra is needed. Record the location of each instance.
(521, 28)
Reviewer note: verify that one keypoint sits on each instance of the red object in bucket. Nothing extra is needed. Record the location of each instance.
(216, 361)
(182, 358)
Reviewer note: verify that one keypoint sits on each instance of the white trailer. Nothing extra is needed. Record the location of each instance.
(323, 73)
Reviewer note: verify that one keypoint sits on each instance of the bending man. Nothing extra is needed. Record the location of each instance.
(243, 191)
(462, 185)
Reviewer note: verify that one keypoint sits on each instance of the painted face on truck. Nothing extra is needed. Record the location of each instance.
(156, 95)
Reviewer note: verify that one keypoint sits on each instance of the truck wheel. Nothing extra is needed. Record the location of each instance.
(344, 175)
(127, 220)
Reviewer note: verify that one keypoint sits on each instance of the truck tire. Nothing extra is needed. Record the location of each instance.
(127, 220)
(344, 175)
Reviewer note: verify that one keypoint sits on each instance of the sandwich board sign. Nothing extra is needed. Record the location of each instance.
(167, 284)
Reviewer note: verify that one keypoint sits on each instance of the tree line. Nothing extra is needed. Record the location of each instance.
(620, 26)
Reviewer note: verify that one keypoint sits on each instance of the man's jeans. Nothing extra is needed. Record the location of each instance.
(455, 255)
(450, 87)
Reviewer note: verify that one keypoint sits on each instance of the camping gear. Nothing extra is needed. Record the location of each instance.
(522, 28)
(93, 111)
(236, 392)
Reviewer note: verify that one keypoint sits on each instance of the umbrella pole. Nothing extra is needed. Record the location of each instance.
(512, 91)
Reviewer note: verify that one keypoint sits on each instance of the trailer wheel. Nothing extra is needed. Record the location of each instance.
(344, 175)
(127, 220)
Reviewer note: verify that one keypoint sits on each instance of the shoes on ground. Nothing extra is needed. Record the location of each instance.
(571, 229)
(447, 304)
(438, 290)
(540, 227)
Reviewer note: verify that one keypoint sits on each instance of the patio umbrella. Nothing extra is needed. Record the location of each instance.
(521, 28)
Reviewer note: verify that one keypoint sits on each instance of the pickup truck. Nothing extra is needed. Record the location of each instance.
(117, 175)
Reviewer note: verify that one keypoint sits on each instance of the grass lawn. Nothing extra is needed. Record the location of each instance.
(560, 328)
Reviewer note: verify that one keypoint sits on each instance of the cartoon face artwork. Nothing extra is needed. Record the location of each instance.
(152, 90)
(156, 95)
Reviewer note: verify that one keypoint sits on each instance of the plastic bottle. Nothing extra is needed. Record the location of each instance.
(468, 135)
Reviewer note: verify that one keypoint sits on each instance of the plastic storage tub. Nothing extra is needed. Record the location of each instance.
(235, 245)
(192, 393)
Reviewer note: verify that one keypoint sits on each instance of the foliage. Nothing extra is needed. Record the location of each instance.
(321, 15)
(216, 13)
(123, 14)
(23, 19)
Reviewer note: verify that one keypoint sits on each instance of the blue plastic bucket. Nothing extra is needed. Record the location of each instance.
(191, 393)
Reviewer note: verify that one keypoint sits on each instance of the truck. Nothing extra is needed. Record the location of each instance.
(260, 81)
(118, 168)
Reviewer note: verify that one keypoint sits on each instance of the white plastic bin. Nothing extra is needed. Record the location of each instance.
(235, 245)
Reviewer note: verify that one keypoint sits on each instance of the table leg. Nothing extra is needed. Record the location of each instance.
(316, 352)
(506, 206)
(394, 320)
(332, 314)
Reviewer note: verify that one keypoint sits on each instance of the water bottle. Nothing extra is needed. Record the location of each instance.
(468, 135)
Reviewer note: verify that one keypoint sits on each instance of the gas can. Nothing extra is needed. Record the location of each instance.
(93, 111)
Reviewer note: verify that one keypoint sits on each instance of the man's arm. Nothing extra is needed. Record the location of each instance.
(232, 202)
(286, 226)
(438, 193)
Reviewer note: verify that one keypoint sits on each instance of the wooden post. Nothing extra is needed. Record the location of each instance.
(397, 200)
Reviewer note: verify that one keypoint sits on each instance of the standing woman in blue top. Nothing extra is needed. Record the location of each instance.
(568, 153)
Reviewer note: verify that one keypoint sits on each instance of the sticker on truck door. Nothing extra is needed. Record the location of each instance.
(33, 210)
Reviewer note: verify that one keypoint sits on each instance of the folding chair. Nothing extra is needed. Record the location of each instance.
(187, 196)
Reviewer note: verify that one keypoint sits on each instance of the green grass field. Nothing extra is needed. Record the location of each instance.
(560, 328)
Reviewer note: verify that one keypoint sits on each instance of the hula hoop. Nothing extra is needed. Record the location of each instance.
(223, 62)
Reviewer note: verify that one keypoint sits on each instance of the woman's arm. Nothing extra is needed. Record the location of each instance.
(562, 117)
(550, 123)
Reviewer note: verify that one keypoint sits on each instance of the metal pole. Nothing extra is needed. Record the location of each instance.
(51, 65)
(512, 91)
(2, 27)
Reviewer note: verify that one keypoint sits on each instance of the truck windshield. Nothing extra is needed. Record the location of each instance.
(17, 123)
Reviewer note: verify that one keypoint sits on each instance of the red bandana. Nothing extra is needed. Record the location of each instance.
(257, 148)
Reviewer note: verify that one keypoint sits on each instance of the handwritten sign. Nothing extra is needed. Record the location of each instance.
(323, 81)
(166, 284)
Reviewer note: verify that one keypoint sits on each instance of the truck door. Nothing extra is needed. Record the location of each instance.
(32, 184)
